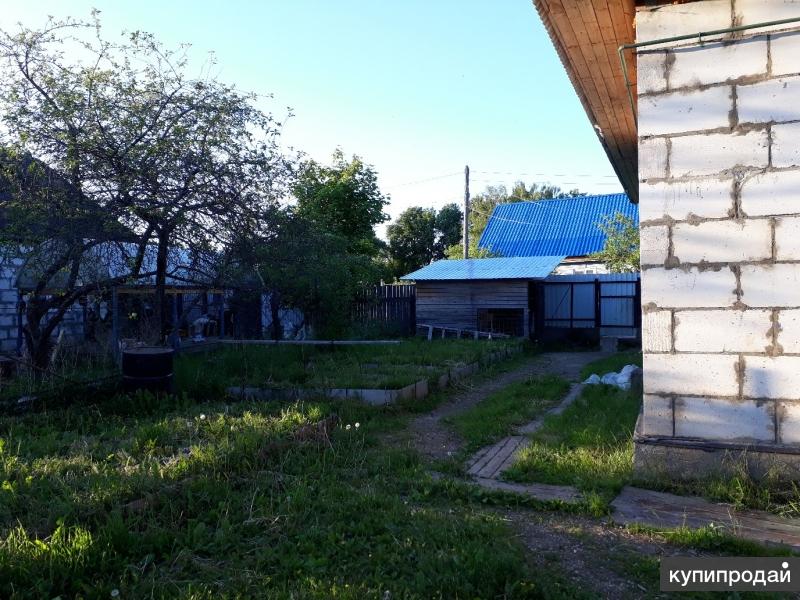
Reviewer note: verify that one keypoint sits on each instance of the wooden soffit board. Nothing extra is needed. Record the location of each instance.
(587, 35)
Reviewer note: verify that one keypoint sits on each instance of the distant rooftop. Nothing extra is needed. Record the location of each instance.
(536, 267)
(563, 227)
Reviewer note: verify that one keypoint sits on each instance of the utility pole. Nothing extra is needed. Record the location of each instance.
(465, 236)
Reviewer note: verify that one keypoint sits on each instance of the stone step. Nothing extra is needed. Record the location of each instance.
(659, 509)
(493, 460)
(538, 491)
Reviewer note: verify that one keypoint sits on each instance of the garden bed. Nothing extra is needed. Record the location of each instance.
(379, 375)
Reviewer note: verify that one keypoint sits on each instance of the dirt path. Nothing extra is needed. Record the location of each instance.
(433, 438)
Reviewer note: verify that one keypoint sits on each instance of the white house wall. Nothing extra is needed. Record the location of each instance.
(719, 165)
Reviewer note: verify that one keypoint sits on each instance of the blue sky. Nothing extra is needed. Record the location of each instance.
(417, 88)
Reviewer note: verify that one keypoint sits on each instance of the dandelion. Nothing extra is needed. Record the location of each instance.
(358, 425)
(114, 593)
(347, 427)
(202, 417)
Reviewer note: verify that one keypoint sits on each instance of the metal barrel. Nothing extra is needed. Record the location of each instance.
(148, 368)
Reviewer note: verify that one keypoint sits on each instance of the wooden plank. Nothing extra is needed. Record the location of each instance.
(659, 509)
(538, 491)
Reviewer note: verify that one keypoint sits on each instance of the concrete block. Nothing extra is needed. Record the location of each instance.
(771, 194)
(676, 288)
(679, 112)
(723, 330)
(716, 62)
(722, 241)
(653, 244)
(787, 238)
(421, 389)
(710, 198)
(680, 19)
(724, 419)
(751, 12)
(772, 377)
(696, 374)
(657, 331)
(771, 285)
(789, 331)
(651, 72)
(9, 297)
(717, 153)
(788, 422)
(785, 52)
(652, 158)
(657, 416)
(773, 100)
(443, 381)
(786, 145)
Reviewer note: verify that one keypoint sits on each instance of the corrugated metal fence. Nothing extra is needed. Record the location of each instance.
(391, 305)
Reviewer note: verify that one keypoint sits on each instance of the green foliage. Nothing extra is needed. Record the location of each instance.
(421, 235)
(482, 205)
(589, 445)
(516, 404)
(621, 249)
(343, 199)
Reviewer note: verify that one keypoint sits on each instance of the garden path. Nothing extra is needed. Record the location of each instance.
(433, 438)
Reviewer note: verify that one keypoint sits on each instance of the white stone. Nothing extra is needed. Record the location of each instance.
(772, 377)
(752, 12)
(786, 145)
(723, 330)
(788, 422)
(789, 331)
(724, 419)
(657, 331)
(710, 198)
(593, 379)
(653, 244)
(785, 52)
(650, 70)
(658, 22)
(722, 241)
(776, 193)
(652, 158)
(787, 238)
(679, 112)
(716, 62)
(676, 288)
(695, 374)
(656, 416)
(773, 100)
(771, 285)
(715, 153)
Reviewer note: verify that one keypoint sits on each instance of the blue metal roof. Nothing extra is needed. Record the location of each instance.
(533, 267)
(564, 227)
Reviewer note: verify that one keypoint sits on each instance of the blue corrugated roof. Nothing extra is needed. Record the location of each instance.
(565, 227)
(533, 267)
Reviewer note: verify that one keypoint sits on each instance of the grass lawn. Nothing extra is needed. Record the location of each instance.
(612, 363)
(516, 404)
(589, 445)
(367, 366)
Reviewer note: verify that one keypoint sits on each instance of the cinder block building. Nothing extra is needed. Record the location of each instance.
(697, 105)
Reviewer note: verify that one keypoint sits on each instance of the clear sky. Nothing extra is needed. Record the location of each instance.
(418, 88)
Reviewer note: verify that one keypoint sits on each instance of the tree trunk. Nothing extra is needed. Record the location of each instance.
(37, 339)
(275, 307)
(161, 286)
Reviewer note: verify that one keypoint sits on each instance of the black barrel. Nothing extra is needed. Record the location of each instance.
(148, 368)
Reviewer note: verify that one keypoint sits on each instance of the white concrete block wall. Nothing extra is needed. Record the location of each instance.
(719, 172)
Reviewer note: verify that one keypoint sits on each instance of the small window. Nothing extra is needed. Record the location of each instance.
(501, 320)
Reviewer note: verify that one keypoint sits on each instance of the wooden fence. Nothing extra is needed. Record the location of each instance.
(393, 306)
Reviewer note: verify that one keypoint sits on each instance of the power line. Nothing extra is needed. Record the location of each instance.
(545, 174)
(434, 178)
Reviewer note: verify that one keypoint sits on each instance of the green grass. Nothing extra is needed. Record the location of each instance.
(516, 404)
(368, 366)
(613, 363)
(173, 498)
(589, 445)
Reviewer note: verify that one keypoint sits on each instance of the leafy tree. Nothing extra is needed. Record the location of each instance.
(621, 249)
(175, 161)
(302, 266)
(411, 239)
(343, 199)
(482, 205)
(448, 229)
